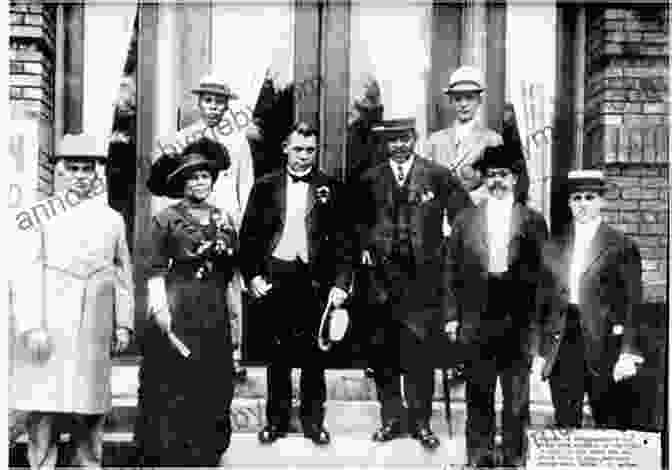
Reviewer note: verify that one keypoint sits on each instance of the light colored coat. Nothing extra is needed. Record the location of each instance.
(442, 148)
(76, 282)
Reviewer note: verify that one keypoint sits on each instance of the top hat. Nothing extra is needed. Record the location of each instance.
(169, 171)
(213, 84)
(499, 156)
(586, 181)
(394, 126)
(80, 146)
(465, 79)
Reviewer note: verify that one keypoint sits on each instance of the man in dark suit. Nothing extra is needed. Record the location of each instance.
(294, 255)
(591, 288)
(493, 263)
(401, 204)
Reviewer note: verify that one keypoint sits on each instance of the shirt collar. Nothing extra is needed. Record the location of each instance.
(500, 203)
(464, 128)
(406, 165)
(589, 228)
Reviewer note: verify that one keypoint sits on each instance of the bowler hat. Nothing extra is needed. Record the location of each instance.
(466, 79)
(215, 85)
(169, 171)
(586, 181)
(80, 146)
(499, 156)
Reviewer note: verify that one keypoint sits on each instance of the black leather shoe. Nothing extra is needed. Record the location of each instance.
(387, 432)
(270, 434)
(427, 438)
(318, 435)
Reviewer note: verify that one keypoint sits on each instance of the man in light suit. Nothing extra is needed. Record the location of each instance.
(461, 145)
(592, 286)
(73, 304)
(294, 255)
(492, 266)
(401, 204)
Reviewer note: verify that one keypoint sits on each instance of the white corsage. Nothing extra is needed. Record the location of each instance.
(322, 194)
(426, 197)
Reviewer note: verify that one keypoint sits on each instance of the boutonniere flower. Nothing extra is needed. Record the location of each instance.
(426, 196)
(322, 194)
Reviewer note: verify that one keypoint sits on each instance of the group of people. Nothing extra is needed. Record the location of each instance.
(453, 251)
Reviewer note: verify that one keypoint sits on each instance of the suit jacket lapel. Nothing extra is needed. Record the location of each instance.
(281, 198)
(389, 182)
(598, 247)
(481, 231)
(515, 229)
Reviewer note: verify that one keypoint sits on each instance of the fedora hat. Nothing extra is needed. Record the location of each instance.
(499, 156)
(80, 146)
(213, 84)
(466, 79)
(587, 181)
(169, 171)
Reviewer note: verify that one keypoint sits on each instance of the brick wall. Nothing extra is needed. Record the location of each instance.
(31, 79)
(627, 127)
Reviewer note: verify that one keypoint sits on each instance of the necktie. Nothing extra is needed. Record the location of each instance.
(303, 178)
(400, 174)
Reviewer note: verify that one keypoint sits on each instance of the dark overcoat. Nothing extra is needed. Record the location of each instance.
(610, 289)
(466, 274)
(433, 192)
(329, 232)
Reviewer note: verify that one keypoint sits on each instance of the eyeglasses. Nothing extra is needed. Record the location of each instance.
(582, 197)
(308, 150)
(494, 173)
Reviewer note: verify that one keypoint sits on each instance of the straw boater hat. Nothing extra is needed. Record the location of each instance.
(213, 84)
(394, 126)
(465, 79)
(587, 181)
(499, 156)
(169, 171)
(80, 146)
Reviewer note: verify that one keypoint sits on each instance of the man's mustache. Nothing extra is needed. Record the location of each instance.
(498, 185)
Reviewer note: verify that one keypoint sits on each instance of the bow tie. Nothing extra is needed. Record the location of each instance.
(303, 178)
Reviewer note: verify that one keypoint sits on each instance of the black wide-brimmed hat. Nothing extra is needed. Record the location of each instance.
(499, 156)
(169, 171)
(592, 181)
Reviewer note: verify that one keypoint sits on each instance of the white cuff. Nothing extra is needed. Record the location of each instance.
(157, 298)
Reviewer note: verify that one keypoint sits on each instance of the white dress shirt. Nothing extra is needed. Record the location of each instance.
(583, 236)
(498, 220)
(405, 168)
(294, 239)
(462, 130)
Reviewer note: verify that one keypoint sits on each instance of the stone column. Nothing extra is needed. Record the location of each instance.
(474, 40)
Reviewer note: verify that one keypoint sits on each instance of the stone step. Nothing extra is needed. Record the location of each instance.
(351, 450)
(342, 384)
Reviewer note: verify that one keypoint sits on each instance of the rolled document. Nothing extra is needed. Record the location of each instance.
(179, 345)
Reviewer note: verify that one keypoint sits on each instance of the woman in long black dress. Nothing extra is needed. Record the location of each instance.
(185, 394)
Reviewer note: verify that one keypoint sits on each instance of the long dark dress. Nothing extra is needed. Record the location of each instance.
(184, 403)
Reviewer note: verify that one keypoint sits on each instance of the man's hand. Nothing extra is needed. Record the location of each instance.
(122, 340)
(626, 366)
(367, 259)
(38, 343)
(337, 296)
(451, 329)
(259, 287)
(538, 364)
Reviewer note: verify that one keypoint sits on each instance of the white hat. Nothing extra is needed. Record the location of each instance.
(587, 180)
(465, 79)
(80, 146)
(211, 83)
